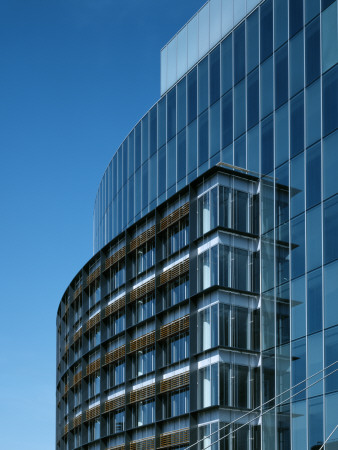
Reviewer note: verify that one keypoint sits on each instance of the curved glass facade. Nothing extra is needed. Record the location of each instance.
(213, 285)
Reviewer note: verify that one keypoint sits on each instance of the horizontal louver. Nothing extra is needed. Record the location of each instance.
(116, 257)
(93, 412)
(115, 306)
(117, 447)
(143, 444)
(66, 428)
(115, 355)
(77, 335)
(93, 321)
(142, 290)
(173, 383)
(92, 277)
(77, 292)
(143, 393)
(174, 438)
(93, 367)
(175, 272)
(142, 342)
(142, 238)
(77, 421)
(115, 403)
(77, 378)
(174, 327)
(174, 217)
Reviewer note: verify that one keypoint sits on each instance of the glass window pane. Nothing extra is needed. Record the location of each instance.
(297, 125)
(192, 146)
(153, 130)
(192, 95)
(295, 16)
(181, 104)
(298, 308)
(253, 149)
(239, 53)
(203, 138)
(281, 22)
(182, 52)
(315, 421)
(181, 155)
(312, 51)
(330, 352)
(315, 362)
(331, 419)
(215, 129)
(312, 8)
(226, 63)
(192, 41)
(282, 135)
(330, 229)
(203, 30)
(297, 185)
(203, 76)
(153, 179)
(298, 367)
(144, 185)
(313, 113)
(171, 61)
(267, 145)
(329, 37)
(266, 88)
(240, 152)
(253, 98)
(227, 119)
(298, 244)
(227, 16)
(296, 63)
(313, 175)
(314, 301)
(145, 139)
(314, 238)
(252, 36)
(331, 294)
(162, 120)
(137, 146)
(161, 170)
(330, 163)
(266, 29)
(215, 75)
(330, 101)
(281, 76)
(171, 163)
(240, 109)
(171, 114)
(215, 22)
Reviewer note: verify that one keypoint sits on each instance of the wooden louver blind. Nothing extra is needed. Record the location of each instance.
(142, 342)
(115, 403)
(77, 378)
(174, 438)
(113, 259)
(77, 335)
(117, 447)
(115, 355)
(66, 428)
(91, 413)
(142, 290)
(77, 292)
(93, 367)
(175, 382)
(93, 321)
(175, 272)
(174, 327)
(77, 421)
(143, 444)
(143, 393)
(66, 389)
(174, 217)
(142, 238)
(115, 306)
(92, 277)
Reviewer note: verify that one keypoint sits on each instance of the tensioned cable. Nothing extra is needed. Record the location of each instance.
(265, 412)
(270, 400)
(321, 448)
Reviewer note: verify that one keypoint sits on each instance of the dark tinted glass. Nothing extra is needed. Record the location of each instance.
(144, 185)
(313, 176)
(162, 170)
(240, 108)
(313, 113)
(239, 53)
(226, 61)
(330, 229)
(330, 101)
(314, 301)
(192, 146)
(131, 160)
(145, 138)
(125, 162)
(203, 85)
(162, 121)
(312, 51)
(297, 246)
(153, 130)
(281, 76)
(215, 75)
(240, 152)
(181, 155)
(253, 98)
(215, 128)
(138, 146)
(266, 87)
(227, 119)
(267, 145)
(326, 3)
(312, 8)
(171, 163)
(266, 29)
(296, 64)
(203, 138)
(295, 16)
(315, 408)
(331, 344)
(171, 114)
(297, 125)
(181, 104)
(281, 22)
(192, 95)
(298, 367)
(252, 36)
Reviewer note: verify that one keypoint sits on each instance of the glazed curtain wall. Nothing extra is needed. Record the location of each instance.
(250, 102)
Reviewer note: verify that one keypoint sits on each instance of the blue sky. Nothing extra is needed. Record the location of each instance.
(75, 77)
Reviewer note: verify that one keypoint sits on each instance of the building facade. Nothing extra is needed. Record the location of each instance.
(208, 315)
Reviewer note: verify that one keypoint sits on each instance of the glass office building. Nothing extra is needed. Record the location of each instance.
(208, 315)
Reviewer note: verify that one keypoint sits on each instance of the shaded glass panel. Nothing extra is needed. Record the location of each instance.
(313, 176)
(281, 76)
(315, 362)
(253, 98)
(226, 63)
(215, 75)
(282, 134)
(153, 130)
(252, 36)
(330, 357)
(330, 229)
(331, 420)
(203, 138)
(266, 29)
(297, 185)
(266, 93)
(227, 119)
(330, 101)
(314, 301)
(239, 53)
(315, 422)
(192, 146)
(297, 246)
(145, 139)
(171, 163)
(171, 114)
(240, 152)
(330, 165)
(314, 238)
(162, 120)
(329, 37)
(215, 129)
(312, 8)
(297, 125)
(137, 146)
(313, 113)
(281, 22)
(203, 76)
(181, 155)
(297, 63)
(240, 109)
(331, 294)
(181, 104)
(298, 367)
(192, 95)
(298, 311)
(253, 149)
(267, 145)
(162, 170)
(295, 16)
(312, 51)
